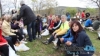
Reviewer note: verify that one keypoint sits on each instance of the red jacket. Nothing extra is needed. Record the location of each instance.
(2, 40)
(83, 15)
(51, 24)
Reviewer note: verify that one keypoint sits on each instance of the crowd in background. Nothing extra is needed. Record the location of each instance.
(69, 31)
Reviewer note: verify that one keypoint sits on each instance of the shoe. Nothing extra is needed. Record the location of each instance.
(30, 40)
(45, 42)
(24, 42)
(56, 47)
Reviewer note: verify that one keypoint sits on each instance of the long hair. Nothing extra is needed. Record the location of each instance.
(75, 34)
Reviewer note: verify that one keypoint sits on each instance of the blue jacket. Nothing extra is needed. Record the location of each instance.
(82, 41)
(68, 36)
(88, 23)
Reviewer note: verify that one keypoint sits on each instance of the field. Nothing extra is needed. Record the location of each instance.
(39, 49)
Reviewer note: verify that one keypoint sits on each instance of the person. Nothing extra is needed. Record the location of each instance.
(4, 49)
(59, 32)
(57, 24)
(67, 37)
(87, 15)
(68, 16)
(78, 15)
(81, 39)
(88, 22)
(38, 25)
(7, 32)
(97, 18)
(53, 20)
(28, 19)
(83, 16)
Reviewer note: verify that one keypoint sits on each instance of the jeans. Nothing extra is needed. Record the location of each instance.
(5, 50)
(31, 31)
(10, 42)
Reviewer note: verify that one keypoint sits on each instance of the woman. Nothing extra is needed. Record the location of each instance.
(4, 49)
(7, 31)
(81, 39)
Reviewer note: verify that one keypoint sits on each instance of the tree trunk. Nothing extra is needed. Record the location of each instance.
(0, 9)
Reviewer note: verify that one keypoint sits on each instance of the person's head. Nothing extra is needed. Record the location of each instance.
(63, 18)
(76, 27)
(22, 2)
(7, 17)
(58, 18)
(54, 18)
(70, 23)
(0, 23)
(83, 10)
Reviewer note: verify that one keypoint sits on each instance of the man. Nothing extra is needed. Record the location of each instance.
(59, 32)
(29, 19)
(57, 23)
(83, 16)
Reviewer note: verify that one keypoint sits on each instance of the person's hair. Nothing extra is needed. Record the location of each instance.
(53, 17)
(7, 17)
(83, 10)
(59, 16)
(22, 2)
(79, 30)
(63, 16)
(1, 19)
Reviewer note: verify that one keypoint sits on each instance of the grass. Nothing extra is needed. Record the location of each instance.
(39, 49)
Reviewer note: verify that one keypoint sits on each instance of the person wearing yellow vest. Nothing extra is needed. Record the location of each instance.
(59, 32)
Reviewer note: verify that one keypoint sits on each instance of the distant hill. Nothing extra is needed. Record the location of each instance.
(61, 10)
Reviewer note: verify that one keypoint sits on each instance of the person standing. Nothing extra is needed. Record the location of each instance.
(29, 20)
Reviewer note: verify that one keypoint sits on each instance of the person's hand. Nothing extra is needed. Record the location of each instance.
(16, 22)
(50, 28)
(53, 33)
(55, 36)
(61, 39)
(16, 30)
(68, 43)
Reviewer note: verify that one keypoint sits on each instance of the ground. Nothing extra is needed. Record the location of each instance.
(39, 49)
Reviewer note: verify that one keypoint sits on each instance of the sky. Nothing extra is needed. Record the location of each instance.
(69, 3)
(76, 3)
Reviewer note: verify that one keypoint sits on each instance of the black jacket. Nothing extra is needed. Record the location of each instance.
(27, 14)
(82, 41)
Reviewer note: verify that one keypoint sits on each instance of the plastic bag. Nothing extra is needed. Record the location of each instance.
(25, 31)
(46, 33)
(22, 47)
(11, 52)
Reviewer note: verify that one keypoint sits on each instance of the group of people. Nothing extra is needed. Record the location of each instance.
(68, 32)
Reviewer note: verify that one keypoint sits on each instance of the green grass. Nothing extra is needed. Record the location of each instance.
(39, 49)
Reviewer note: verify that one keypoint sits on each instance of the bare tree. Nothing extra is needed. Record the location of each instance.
(97, 2)
(0, 9)
(15, 2)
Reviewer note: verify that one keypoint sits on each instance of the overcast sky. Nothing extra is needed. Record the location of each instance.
(69, 3)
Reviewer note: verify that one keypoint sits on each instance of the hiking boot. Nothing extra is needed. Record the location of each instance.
(56, 47)
(45, 42)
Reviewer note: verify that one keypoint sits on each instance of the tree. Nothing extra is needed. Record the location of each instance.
(15, 2)
(0, 9)
(47, 5)
(97, 2)
(92, 11)
(72, 11)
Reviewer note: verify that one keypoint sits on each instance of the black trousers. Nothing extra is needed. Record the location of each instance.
(14, 38)
(59, 42)
(4, 50)
(9, 40)
(51, 31)
(37, 31)
(52, 38)
(20, 37)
